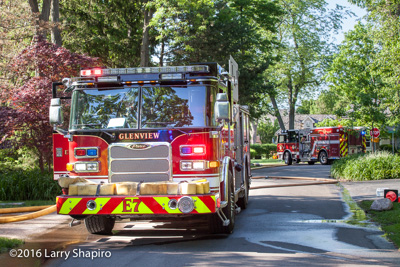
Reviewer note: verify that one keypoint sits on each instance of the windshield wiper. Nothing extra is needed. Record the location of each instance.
(112, 136)
(173, 128)
(158, 122)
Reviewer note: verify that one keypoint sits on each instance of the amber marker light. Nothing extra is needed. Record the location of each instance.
(214, 164)
(70, 167)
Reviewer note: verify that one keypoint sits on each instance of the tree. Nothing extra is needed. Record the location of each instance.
(306, 107)
(42, 17)
(267, 130)
(304, 49)
(384, 31)
(55, 17)
(204, 31)
(110, 30)
(16, 27)
(26, 117)
(352, 77)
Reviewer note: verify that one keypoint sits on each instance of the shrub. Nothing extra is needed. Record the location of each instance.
(374, 166)
(262, 151)
(29, 184)
(21, 159)
(387, 147)
(253, 153)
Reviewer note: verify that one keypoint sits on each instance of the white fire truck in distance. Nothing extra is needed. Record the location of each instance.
(323, 144)
(152, 143)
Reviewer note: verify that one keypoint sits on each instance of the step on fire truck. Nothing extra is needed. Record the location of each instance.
(323, 144)
(139, 138)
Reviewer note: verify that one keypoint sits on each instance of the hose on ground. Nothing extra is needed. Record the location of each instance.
(33, 215)
(23, 209)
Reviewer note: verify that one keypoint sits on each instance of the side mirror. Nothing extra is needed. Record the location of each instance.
(56, 112)
(222, 107)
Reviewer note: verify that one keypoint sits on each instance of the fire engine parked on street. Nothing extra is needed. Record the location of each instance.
(152, 143)
(323, 144)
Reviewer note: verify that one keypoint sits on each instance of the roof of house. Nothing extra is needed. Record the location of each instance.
(300, 118)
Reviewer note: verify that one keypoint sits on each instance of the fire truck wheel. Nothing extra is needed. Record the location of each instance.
(215, 221)
(311, 162)
(288, 158)
(99, 224)
(323, 158)
(242, 202)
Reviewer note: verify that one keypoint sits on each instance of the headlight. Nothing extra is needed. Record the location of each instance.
(193, 165)
(186, 204)
(91, 166)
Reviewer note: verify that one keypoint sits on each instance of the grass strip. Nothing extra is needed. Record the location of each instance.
(263, 161)
(388, 220)
(7, 243)
(25, 203)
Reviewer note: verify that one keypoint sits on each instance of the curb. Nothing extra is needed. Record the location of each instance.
(267, 166)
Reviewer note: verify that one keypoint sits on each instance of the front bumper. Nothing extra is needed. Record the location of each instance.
(132, 205)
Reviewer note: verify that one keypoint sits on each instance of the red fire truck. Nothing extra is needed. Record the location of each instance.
(153, 125)
(323, 144)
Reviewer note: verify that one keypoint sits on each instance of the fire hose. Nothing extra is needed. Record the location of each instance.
(40, 211)
(320, 181)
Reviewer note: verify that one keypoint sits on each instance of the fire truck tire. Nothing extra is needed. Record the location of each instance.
(287, 158)
(242, 202)
(323, 158)
(215, 221)
(311, 162)
(99, 224)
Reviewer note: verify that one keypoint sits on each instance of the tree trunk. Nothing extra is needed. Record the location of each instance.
(43, 17)
(145, 49)
(290, 102)
(277, 113)
(254, 125)
(41, 163)
(161, 63)
(55, 16)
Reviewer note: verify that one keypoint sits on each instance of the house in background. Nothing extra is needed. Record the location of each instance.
(302, 121)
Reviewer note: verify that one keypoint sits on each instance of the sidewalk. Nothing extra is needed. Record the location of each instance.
(366, 190)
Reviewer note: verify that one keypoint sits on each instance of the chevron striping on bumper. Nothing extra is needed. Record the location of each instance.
(69, 204)
(200, 206)
(100, 202)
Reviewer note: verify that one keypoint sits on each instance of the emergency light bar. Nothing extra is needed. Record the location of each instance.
(119, 71)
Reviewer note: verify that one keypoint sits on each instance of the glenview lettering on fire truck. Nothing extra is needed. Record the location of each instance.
(152, 143)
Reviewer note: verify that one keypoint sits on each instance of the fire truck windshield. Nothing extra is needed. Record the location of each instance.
(140, 107)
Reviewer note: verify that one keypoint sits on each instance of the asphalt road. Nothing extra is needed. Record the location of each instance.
(283, 226)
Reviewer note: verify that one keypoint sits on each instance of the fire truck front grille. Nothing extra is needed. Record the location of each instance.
(135, 162)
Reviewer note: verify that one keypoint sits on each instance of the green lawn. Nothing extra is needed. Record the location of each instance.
(388, 220)
(7, 243)
(25, 203)
(266, 161)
